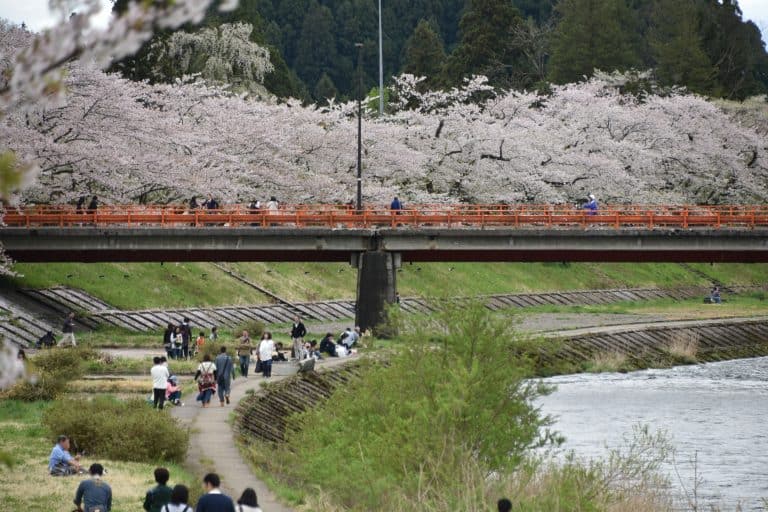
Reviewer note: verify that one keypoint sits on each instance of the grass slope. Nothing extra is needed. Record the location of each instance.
(149, 285)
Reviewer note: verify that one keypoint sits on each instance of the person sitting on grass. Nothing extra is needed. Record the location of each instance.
(94, 495)
(61, 462)
(327, 346)
(714, 295)
(279, 354)
(160, 494)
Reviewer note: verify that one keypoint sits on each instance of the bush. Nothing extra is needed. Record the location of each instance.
(50, 371)
(129, 431)
(254, 327)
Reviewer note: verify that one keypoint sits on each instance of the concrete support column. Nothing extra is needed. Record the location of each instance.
(376, 286)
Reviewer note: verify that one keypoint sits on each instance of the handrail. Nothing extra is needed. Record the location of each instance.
(434, 215)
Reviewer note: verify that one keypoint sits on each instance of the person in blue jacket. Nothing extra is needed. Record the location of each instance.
(591, 205)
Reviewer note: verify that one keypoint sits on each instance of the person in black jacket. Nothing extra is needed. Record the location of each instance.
(298, 331)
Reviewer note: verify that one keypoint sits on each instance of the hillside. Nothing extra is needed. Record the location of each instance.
(151, 285)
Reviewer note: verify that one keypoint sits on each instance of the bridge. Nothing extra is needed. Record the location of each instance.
(376, 241)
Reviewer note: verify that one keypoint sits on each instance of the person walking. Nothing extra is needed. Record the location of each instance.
(248, 501)
(160, 376)
(159, 495)
(298, 331)
(186, 337)
(266, 348)
(93, 205)
(69, 332)
(93, 494)
(244, 351)
(206, 380)
(214, 500)
(226, 373)
(179, 499)
(591, 206)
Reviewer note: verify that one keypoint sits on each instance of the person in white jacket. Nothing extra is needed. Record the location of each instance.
(248, 502)
(266, 349)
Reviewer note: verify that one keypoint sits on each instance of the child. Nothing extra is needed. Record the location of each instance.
(199, 342)
(173, 391)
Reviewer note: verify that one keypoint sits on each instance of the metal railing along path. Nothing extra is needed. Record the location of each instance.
(444, 216)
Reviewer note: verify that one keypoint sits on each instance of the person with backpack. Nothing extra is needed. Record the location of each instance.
(94, 495)
(159, 495)
(225, 374)
(206, 380)
(179, 499)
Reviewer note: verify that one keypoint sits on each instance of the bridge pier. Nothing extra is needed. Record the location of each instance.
(376, 286)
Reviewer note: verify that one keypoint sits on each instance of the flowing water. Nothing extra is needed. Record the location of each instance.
(716, 412)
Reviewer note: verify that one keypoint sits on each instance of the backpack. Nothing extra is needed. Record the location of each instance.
(206, 377)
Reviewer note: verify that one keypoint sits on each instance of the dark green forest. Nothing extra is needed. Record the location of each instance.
(704, 45)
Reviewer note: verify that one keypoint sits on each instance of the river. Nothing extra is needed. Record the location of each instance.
(716, 412)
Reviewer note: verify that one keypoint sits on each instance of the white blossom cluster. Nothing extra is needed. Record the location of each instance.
(127, 141)
(229, 54)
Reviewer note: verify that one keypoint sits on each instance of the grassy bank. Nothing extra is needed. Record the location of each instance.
(151, 285)
(28, 486)
(424, 431)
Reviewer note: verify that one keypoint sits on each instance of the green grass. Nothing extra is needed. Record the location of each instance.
(752, 304)
(151, 285)
(143, 285)
(27, 485)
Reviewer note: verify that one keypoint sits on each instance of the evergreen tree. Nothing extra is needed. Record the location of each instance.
(677, 46)
(593, 34)
(735, 48)
(316, 48)
(424, 54)
(487, 43)
(325, 90)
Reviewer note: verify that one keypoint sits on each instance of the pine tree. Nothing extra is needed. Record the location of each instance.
(325, 90)
(593, 34)
(487, 43)
(316, 49)
(677, 46)
(424, 54)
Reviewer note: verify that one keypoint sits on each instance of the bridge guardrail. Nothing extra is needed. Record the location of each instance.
(344, 216)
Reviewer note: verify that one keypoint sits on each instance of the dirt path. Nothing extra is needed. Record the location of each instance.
(213, 446)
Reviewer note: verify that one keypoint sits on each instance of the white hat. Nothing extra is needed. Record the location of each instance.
(591, 196)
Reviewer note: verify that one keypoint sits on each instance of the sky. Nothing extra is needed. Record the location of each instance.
(36, 15)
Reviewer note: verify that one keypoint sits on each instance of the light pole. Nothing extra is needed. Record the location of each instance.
(359, 204)
(381, 69)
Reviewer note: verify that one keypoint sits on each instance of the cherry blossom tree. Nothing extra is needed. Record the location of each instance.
(223, 54)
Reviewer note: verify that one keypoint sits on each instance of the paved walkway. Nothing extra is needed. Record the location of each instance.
(212, 443)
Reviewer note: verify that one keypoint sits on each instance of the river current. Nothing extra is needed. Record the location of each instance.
(715, 412)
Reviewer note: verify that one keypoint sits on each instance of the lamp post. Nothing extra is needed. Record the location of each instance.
(359, 203)
(381, 69)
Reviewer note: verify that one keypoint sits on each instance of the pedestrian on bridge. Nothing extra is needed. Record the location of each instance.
(93, 205)
(591, 205)
(396, 205)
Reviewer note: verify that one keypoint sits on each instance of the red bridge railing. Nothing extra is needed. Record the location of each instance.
(344, 216)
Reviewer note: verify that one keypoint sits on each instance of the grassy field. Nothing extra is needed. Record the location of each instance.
(27, 485)
(150, 285)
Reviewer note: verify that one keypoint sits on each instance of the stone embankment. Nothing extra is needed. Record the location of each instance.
(59, 301)
(262, 416)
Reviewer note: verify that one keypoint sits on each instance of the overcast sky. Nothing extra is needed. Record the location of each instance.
(35, 13)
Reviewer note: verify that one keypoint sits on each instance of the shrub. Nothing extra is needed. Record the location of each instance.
(50, 371)
(109, 428)
(254, 327)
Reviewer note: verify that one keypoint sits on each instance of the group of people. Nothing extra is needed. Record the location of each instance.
(177, 338)
(95, 495)
(254, 206)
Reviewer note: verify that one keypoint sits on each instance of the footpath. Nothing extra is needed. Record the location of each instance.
(213, 448)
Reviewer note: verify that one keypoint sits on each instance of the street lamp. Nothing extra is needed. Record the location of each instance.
(381, 69)
(359, 204)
